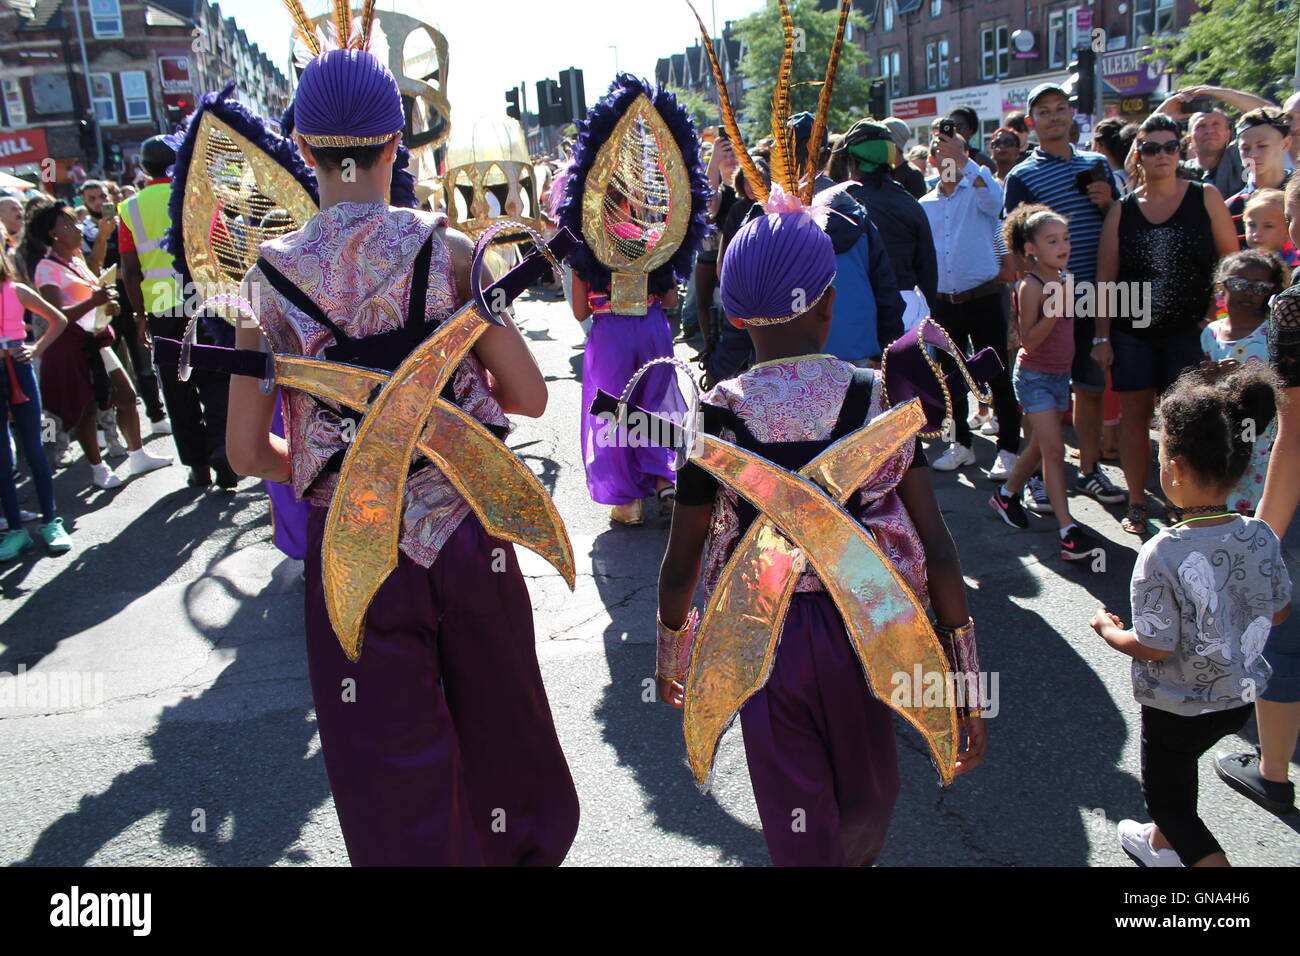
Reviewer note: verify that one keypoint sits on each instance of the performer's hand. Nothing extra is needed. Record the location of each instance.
(976, 744)
(671, 692)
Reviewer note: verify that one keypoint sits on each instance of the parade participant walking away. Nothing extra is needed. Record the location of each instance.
(1265, 221)
(80, 372)
(1054, 175)
(197, 406)
(21, 398)
(1263, 776)
(1264, 137)
(963, 213)
(1205, 593)
(816, 738)
(1042, 374)
(1159, 249)
(1248, 280)
(643, 220)
(446, 753)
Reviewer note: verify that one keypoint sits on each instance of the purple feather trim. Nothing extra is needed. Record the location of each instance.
(593, 132)
(253, 128)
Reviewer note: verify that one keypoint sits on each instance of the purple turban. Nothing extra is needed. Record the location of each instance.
(347, 98)
(776, 268)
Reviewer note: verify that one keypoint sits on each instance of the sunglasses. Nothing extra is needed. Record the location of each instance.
(1237, 284)
(1150, 149)
(997, 143)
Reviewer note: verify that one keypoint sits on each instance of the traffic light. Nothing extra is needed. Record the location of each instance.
(86, 136)
(512, 104)
(112, 155)
(177, 111)
(572, 94)
(876, 100)
(550, 104)
(1084, 100)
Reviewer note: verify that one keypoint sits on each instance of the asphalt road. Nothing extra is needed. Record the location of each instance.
(193, 739)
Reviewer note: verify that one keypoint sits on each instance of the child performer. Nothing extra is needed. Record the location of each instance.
(1247, 281)
(820, 746)
(1205, 592)
(438, 740)
(1042, 375)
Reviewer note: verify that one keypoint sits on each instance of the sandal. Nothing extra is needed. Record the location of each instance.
(628, 514)
(667, 499)
(1135, 520)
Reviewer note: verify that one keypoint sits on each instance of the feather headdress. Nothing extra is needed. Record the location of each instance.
(785, 172)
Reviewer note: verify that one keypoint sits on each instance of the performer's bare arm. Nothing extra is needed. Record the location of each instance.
(578, 300)
(251, 449)
(515, 378)
(678, 576)
(946, 584)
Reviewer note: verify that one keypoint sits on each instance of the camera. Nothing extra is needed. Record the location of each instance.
(1199, 104)
(948, 127)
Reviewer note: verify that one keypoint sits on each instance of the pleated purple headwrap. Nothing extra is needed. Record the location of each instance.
(776, 268)
(347, 98)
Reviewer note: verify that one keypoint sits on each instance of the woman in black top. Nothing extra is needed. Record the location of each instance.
(1263, 777)
(1155, 270)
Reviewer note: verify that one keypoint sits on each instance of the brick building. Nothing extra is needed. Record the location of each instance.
(691, 69)
(934, 55)
(148, 62)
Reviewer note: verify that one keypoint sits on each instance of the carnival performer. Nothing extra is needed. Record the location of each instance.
(438, 740)
(635, 226)
(820, 746)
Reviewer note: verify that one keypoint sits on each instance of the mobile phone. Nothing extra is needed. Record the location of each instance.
(1199, 104)
(1096, 173)
(110, 210)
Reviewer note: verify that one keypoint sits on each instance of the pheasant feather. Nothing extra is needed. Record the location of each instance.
(343, 22)
(783, 165)
(303, 26)
(367, 19)
(824, 106)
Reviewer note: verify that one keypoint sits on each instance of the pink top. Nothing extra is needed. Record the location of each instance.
(1055, 354)
(11, 313)
(73, 279)
(354, 260)
(799, 400)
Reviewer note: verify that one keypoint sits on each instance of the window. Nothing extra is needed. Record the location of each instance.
(1152, 17)
(106, 18)
(936, 64)
(1062, 36)
(889, 72)
(936, 8)
(135, 94)
(102, 98)
(889, 15)
(995, 52)
(15, 109)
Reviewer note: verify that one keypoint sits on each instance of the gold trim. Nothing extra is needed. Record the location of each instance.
(335, 142)
(781, 320)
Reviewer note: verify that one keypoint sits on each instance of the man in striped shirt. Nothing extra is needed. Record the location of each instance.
(1051, 176)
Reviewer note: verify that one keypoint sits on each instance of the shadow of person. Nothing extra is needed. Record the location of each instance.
(235, 769)
(646, 734)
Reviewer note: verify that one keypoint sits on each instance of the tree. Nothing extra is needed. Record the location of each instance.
(815, 32)
(702, 110)
(1242, 44)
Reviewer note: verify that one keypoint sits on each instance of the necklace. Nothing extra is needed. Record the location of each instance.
(1203, 513)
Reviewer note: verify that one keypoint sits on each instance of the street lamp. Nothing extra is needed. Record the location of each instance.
(90, 94)
(615, 49)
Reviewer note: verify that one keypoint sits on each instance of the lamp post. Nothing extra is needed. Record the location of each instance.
(615, 49)
(90, 94)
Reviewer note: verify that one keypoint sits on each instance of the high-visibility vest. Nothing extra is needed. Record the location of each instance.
(146, 215)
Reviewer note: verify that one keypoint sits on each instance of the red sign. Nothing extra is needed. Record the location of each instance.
(914, 106)
(174, 73)
(22, 147)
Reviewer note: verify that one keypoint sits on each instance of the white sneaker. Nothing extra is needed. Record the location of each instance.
(990, 427)
(100, 440)
(161, 427)
(103, 476)
(957, 456)
(116, 447)
(1003, 465)
(1135, 840)
(142, 462)
(977, 420)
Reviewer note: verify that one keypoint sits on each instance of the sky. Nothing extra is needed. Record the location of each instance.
(496, 44)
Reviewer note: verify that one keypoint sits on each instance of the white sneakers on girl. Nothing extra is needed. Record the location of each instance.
(1135, 840)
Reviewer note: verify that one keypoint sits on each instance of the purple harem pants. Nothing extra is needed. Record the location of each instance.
(448, 753)
(820, 747)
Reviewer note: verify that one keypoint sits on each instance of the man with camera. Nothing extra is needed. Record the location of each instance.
(1217, 159)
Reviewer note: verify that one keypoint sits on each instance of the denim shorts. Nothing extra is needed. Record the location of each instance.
(1283, 654)
(1041, 391)
(1143, 363)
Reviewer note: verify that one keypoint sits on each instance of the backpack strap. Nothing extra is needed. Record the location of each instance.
(301, 300)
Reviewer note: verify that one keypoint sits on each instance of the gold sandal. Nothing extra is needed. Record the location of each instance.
(628, 514)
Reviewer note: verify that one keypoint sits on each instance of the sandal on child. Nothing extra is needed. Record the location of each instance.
(1135, 520)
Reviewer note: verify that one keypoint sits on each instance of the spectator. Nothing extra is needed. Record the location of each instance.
(11, 217)
(1217, 159)
(1264, 137)
(1051, 177)
(1292, 109)
(95, 233)
(1248, 280)
(1112, 138)
(1263, 776)
(721, 170)
(76, 174)
(866, 156)
(967, 122)
(963, 211)
(905, 174)
(1005, 146)
(1265, 222)
(1016, 120)
(1159, 249)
